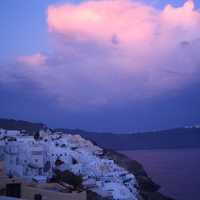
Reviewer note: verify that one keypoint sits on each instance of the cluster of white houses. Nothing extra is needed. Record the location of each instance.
(35, 159)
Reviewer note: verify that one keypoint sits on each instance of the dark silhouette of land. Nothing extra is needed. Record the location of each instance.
(164, 139)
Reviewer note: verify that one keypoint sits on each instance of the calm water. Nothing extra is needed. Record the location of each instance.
(177, 171)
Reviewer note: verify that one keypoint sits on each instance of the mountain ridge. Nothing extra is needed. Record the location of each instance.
(172, 138)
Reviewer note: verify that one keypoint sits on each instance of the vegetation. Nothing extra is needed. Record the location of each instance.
(69, 178)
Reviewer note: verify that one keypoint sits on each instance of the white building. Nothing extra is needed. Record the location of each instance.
(12, 133)
(36, 159)
(26, 159)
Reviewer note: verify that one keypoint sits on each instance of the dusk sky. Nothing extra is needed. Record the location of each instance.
(104, 65)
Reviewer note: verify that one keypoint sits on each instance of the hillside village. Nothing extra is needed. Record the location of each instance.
(38, 158)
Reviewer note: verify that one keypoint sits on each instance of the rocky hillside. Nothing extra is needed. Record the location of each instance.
(147, 188)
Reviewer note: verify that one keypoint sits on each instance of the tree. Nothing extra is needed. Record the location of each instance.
(37, 136)
(69, 178)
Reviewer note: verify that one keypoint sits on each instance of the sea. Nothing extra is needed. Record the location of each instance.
(177, 171)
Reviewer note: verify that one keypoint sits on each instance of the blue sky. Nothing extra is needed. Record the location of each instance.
(24, 31)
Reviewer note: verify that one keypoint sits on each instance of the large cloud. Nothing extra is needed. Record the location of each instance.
(108, 52)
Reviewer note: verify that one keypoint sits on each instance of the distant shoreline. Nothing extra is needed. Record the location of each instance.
(159, 149)
(177, 138)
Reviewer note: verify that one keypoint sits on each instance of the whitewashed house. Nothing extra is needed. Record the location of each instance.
(37, 159)
(12, 133)
(27, 159)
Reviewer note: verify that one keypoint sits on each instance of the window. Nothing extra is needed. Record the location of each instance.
(40, 171)
(17, 161)
(36, 153)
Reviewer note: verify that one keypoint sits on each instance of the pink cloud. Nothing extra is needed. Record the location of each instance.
(131, 22)
(127, 29)
(140, 39)
(116, 51)
(35, 59)
(101, 20)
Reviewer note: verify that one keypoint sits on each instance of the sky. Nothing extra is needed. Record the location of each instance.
(106, 65)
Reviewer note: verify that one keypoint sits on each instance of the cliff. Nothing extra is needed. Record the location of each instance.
(147, 188)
